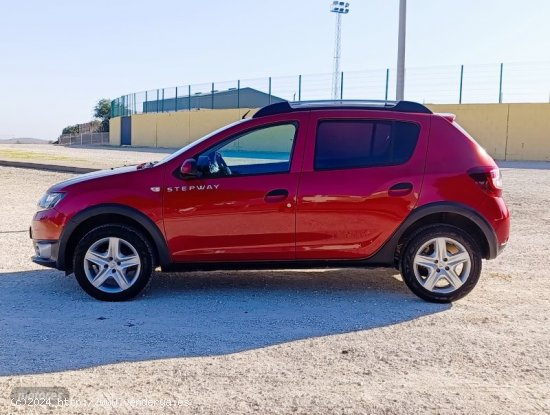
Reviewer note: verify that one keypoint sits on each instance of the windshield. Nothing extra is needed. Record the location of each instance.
(197, 142)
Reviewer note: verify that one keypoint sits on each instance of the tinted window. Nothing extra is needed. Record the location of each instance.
(263, 150)
(349, 144)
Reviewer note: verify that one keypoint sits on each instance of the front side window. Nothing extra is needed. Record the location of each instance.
(357, 143)
(260, 151)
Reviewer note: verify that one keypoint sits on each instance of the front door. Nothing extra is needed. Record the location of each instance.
(243, 207)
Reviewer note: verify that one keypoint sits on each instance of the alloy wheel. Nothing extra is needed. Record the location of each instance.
(112, 265)
(442, 265)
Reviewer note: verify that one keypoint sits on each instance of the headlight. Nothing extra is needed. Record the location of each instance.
(49, 200)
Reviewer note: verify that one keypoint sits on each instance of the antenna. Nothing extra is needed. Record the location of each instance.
(340, 8)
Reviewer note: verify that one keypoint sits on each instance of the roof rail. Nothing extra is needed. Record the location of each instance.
(397, 106)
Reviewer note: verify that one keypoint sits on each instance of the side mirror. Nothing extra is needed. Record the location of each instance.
(189, 168)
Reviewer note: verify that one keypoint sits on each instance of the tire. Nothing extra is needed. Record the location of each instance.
(441, 278)
(118, 258)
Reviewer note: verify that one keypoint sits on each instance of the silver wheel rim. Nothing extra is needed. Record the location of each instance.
(442, 265)
(112, 265)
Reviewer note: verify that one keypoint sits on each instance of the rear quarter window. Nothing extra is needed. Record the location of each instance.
(345, 144)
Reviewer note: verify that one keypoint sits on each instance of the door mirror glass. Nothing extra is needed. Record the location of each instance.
(189, 168)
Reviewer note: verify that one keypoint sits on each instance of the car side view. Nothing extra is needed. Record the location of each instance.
(305, 184)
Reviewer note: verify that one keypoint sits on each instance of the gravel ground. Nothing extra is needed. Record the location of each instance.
(98, 157)
(331, 341)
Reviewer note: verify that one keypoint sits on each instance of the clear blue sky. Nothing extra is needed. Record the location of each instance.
(59, 57)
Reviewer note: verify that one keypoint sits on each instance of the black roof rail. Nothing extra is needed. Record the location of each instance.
(286, 106)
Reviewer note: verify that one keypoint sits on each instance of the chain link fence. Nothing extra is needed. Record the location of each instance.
(457, 84)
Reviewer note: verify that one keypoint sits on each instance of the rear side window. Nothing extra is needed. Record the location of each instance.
(355, 143)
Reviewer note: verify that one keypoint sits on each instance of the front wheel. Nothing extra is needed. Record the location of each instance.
(113, 262)
(441, 263)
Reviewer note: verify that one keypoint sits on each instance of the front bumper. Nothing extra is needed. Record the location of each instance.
(45, 232)
(46, 252)
(45, 262)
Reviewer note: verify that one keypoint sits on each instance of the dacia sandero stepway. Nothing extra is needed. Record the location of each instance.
(306, 184)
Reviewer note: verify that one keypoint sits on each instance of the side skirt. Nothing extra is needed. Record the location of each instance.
(260, 265)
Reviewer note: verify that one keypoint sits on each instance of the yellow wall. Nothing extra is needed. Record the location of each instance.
(175, 129)
(506, 131)
(114, 131)
(144, 129)
(172, 128)
(206, 121)
(487, 123)
(529, 132)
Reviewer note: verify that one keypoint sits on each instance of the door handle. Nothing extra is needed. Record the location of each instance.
(400, 189)
(277, 195)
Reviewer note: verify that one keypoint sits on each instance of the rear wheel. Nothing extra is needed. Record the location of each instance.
(113, 262)
(441, 263)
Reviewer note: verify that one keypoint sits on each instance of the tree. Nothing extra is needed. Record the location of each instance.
(71, 129)
(102, 111)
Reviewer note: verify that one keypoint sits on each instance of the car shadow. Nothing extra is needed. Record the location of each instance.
(49, 324)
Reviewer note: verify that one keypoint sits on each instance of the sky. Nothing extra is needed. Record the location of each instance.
(58, 57)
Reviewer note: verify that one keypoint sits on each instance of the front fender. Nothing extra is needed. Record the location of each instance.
(141, 219)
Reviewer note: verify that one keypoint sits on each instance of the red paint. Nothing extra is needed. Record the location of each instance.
(348, 214)
(331, 214)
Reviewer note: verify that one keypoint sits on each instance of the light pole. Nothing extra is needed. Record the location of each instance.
(340, 8)
(400, 88)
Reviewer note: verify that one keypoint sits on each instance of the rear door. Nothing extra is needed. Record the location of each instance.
(362, 176)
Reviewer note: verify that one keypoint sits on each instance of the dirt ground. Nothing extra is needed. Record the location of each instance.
(318, 342)
(96, 157)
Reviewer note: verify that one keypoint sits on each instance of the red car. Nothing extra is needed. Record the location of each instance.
(314, 184)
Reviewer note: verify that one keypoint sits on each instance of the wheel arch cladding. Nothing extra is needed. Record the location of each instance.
(94, 216)
(449, 213)
(454, 214)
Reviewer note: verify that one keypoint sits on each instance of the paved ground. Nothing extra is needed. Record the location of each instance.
(337, 341)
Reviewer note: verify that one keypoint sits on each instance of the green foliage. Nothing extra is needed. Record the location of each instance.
(105, 125)
(71, 129)
(102, 110)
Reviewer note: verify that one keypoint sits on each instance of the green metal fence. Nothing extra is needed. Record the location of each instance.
(490, 83)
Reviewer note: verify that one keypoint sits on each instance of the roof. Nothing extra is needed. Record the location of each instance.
(397, 106)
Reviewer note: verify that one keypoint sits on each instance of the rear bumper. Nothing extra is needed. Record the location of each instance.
(500, 248)
(496, 209)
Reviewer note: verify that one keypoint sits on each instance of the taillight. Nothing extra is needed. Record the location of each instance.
(488, 178)
(496, 178)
